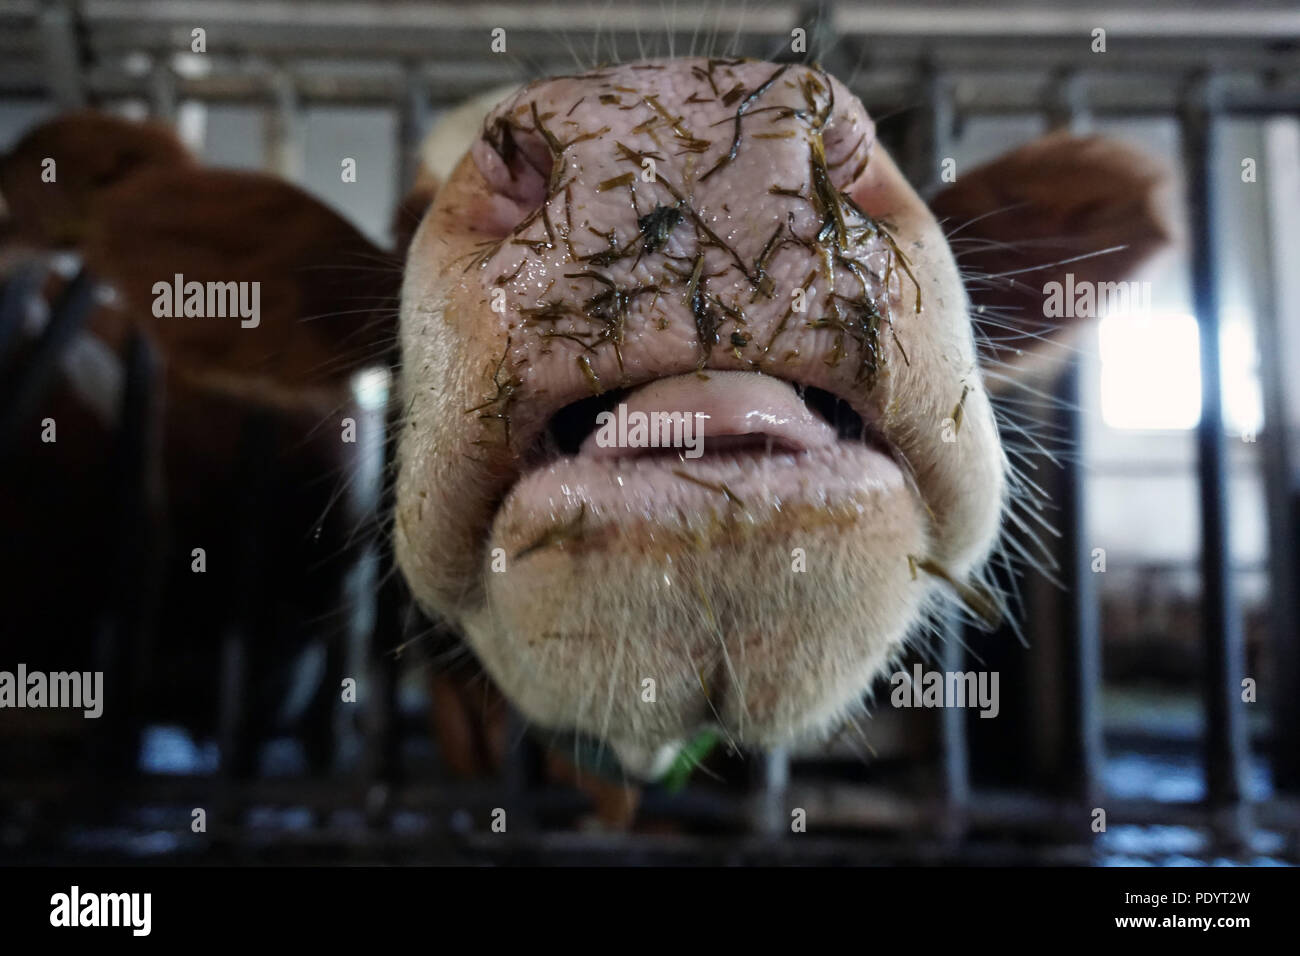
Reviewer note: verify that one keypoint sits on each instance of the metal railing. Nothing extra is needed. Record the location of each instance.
(1201, 69)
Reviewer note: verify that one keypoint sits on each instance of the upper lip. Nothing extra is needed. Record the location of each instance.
(779, 415)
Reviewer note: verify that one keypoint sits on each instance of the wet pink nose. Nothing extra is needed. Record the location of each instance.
(748, 134)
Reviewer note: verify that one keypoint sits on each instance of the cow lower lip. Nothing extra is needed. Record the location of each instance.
(661, 502)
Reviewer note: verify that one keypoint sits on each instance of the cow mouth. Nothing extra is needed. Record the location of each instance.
(734, 415)
(764, 450)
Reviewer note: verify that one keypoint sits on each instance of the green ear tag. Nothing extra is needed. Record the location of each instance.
(688, 758)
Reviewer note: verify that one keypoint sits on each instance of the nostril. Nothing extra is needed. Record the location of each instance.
(847, 140)
(524, 158)
(516, 162)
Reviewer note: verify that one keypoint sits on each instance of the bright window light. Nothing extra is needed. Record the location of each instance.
(1243, 399)
(1151, 373)
(370, 387)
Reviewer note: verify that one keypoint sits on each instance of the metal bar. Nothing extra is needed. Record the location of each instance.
(768, 805)
(413, 122)
(1278, 324)
(930, 142)
(60, 55)
(394, 620)
(227, 804)
(1068, 103)
(16, 295)
(1226, 745)
(162, 91)
(519, 788)
(953, 737)
(381, 769)
(248, 605)
(21, 392)
(1138, 88)
(1080, 627)
(851, 806)
(930, 130)
(892, 20)
(123, 640)
(284, 129)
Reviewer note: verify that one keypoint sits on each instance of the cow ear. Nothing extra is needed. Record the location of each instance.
(54, 175)
(1061, 209)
